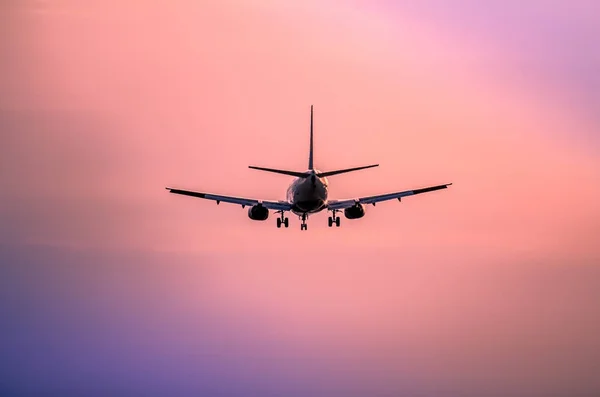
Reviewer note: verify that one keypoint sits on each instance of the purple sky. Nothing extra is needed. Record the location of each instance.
(550, 47)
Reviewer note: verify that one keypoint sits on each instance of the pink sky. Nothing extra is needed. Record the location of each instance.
(103, 105)
(169, 94)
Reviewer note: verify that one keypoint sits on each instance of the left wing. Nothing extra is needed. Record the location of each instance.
(341, 204)
(272, 205)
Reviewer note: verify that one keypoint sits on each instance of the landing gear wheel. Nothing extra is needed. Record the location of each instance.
(282, 220)
(303, 225)
(334, 219)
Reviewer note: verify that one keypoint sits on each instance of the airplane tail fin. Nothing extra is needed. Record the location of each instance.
(310, 153)
(311, 163)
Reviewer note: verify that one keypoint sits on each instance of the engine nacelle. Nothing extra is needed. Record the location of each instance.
(355, 212)
(258, 212)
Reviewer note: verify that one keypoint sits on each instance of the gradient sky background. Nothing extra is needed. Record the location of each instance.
(109, 285)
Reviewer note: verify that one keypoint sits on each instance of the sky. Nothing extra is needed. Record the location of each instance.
(112, 286)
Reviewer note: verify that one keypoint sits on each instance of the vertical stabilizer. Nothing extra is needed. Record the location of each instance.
(310, 153)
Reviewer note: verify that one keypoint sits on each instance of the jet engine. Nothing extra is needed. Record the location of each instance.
(258, 212)
(355, 212)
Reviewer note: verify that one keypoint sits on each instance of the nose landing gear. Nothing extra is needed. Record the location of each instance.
(303, 226)
(334, 219)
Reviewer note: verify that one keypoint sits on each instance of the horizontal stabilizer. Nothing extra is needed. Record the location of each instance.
(330, 173)
(284, 172)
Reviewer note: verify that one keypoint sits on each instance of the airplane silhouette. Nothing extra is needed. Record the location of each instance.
(308, 194)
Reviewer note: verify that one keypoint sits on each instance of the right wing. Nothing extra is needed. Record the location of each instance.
(341, 204)
(272, 205)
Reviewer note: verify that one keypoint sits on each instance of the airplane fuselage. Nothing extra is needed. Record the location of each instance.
(308, 195)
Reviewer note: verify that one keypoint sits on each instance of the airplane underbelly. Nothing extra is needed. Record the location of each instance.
(308, 206)
(309, 198)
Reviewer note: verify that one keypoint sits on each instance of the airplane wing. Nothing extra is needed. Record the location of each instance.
(272, 205)
(341, 204)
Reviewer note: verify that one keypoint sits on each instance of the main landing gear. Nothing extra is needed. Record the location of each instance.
(334, 219)
(282, 220)
(303, 225)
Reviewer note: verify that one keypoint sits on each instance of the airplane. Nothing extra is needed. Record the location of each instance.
(307, 195)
